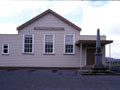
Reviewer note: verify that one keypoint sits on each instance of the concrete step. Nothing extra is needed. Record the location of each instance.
(86, 68)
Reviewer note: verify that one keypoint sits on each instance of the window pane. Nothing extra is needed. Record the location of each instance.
(31, 46)
(31, 41)
(28, 43)
(5, 46)
(69, 39)
(49, 38)
(46, 50)
(30, 50)
(25, 50)
(5, 51)
(46, 46)
(69, 44)
(48, 43)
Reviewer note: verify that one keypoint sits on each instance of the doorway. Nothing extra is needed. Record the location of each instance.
(90, 56)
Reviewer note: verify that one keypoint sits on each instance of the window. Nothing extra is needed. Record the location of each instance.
(69, 44)
(28, 44)
(5, 48)
(49, 44)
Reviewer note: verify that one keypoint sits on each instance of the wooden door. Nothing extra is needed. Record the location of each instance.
(90, 56)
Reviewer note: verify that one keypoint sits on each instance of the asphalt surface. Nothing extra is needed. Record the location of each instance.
(48, 79)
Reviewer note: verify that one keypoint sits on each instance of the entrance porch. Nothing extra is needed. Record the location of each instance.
(88, 49)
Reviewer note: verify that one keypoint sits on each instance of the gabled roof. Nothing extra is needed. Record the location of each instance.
(45, 13)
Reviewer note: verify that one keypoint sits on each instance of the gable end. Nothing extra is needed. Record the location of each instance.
(45, 13)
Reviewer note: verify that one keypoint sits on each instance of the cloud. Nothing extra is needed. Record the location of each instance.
(65, 7)
(8, 28)
(9, 8)
(97, 3)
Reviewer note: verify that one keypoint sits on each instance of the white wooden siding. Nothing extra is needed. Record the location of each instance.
(38, 59)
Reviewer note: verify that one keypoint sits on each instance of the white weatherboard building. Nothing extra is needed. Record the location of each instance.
(49, 41)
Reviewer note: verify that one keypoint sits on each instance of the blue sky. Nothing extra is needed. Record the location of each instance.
(89, 15)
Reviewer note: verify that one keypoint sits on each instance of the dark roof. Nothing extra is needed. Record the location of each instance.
(93, 42)
(45, 13)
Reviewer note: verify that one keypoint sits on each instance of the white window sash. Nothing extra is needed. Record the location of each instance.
(3, 48)
(23, 51)
(72, 43)
(53, 44)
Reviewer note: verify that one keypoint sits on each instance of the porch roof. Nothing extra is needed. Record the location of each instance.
(93, 42)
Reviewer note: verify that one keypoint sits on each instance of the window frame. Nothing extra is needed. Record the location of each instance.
(3, 48)
(53, 44)
(24, 44)
(73, 44)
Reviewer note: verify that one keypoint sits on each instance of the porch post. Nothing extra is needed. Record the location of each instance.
(110, 50)
(109, 56)
(80, 54)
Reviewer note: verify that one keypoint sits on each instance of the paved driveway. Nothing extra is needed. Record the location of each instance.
(55, 80)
